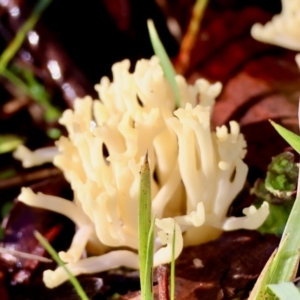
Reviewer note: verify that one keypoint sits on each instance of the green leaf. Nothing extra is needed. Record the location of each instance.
(292, 138)
(165, 62)
(144, 229)
(55, 257)
(285, 291)
(9, 142)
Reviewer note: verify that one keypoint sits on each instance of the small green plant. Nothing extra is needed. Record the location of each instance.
(276, 279)
(278, 190)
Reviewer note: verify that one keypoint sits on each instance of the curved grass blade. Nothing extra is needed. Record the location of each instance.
(55, 257)
(292, 138)
(165, 62)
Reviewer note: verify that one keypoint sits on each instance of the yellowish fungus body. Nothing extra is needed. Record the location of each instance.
(195, 173)
(284, 29)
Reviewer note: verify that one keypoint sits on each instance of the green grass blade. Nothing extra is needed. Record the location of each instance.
(172, 283)
(16, 43)
(286, 261)
(165, 62)
(292, 138)
(148, 276)
(144, 228)
(285, 291)
(259, 290)
(55, 257)
(42, 98)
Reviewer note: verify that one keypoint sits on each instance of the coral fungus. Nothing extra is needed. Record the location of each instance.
(195, 173)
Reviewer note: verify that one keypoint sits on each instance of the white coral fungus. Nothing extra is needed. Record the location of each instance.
(196, 173)
(284, 29)
(34, 158)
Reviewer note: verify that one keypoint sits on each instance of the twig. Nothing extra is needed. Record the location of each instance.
(189, 38)
(26, 178)
(163, 282)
